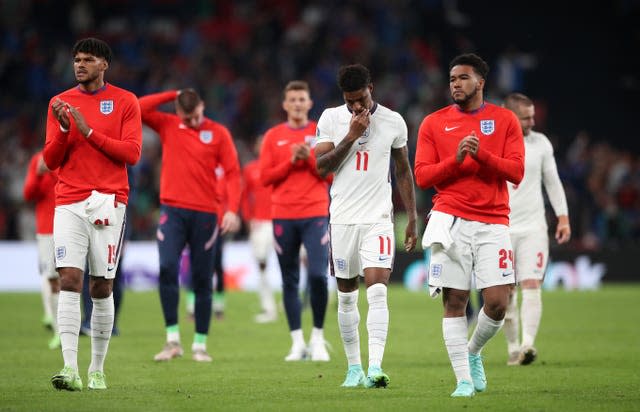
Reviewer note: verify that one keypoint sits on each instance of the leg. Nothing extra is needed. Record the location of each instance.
(261, 238)
(218, 294)
(71, 238)
(45, 294)
(287, 239)
(348, 323)
(531, 313)
(118, 291)
(454, 330)
(102, 318)
(171, 242)
(202, 239)
(512, 328)
(87, 305)
(316, 244)
(103, 261)
(69, 326)
(54, 298)
(376, 280)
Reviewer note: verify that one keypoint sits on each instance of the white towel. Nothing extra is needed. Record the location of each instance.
(101, 209)
(438, 230)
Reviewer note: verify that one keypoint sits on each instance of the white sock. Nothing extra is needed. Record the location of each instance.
(511, 326)
(267, 300)
(377, 322)
(69, 326)
(530, 312)
(454, 331)
(297, 337)
(53, 305)
(45, 289)
(348, 322)
(317, 335)
(101, 327)
(485, 330)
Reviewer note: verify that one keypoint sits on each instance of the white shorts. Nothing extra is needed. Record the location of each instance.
(531, 252)
(46, 259)
(78, 241)
(261, 239)
(357, 247)
(478, 248)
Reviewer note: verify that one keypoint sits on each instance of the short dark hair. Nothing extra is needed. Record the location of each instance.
(471, 59)
(353, 77)
(93, 46)
(514, 99)
(188, 100)
(296, 85)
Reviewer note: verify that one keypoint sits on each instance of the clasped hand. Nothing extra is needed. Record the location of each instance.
(61, 111)
(468, 145)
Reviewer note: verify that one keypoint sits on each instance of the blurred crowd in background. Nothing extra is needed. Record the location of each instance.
(240, 54)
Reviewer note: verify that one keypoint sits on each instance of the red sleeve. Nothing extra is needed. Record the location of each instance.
(55, 145)
(127, 149)
(511, 166)
(149, 108)
(31, 189)
(270, 173)
(231, 166)
(429, 169)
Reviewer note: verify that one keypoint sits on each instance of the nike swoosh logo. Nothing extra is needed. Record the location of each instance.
(383, 258)
(362, 142)
(448, 129)
(110, 269)
(282, 142)
(504, 275)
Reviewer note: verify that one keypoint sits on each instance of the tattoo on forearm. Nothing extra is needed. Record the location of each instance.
(330, 161)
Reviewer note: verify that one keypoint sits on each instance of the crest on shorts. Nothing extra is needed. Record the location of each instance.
(61, 252)
(341, 264)
(106, 106)
(206, 136)
(487, 127)
(435, 271)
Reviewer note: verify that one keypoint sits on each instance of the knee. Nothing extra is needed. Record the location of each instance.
(495, 309)
(100, 289)
(317, 280)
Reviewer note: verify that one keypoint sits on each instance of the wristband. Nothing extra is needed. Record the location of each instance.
(89, 134)
(63, 130)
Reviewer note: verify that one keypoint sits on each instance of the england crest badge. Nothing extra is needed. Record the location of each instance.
(206, 136)
(487, 127)
(106, 106)
(310, 140)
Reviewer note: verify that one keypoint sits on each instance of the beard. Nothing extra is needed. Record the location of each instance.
(466, 98)
(89, 78)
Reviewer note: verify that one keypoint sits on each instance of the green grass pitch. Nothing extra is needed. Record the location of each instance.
(589, 360)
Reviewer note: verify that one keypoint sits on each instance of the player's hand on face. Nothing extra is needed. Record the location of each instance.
(79, 119)
(359, 123)
(230, 223)
(59, 109)
(411, 237)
